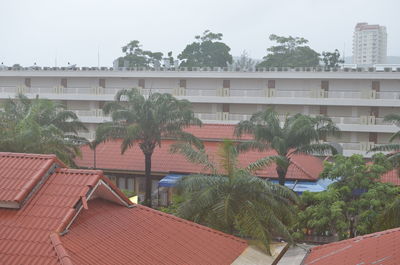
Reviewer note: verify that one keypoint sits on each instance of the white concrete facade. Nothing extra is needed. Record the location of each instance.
(356, 100)
(369, 44)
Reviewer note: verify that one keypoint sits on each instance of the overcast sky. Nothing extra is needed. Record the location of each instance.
(74, 30)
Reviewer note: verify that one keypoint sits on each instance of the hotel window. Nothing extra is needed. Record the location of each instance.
(141, 83)
(226, 84)
(325, 85)
(225, 107)
(373, 137)
(102, 82)
(130, 184)
(271, 83)
(182, 83)
(64, 82)
(27, 82)
(121, 183)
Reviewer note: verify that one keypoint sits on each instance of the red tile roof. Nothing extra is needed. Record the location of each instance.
(391, 177)
(377, 248)
(19, 174)
(215, 132)
(25, 233)
(32, 234)
(140, 235)
(108, 157)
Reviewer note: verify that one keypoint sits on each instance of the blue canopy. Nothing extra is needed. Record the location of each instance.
(169, 180)
(301, 186)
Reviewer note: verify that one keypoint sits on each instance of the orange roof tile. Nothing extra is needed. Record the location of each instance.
(25, 233)
(140, 235)
(19, 174)
(391, 177)
(108, 157)
(377, 248)
(215, 132)
(31, 234)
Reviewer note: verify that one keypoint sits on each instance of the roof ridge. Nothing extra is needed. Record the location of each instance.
(358, 238)
(198, 226)
(81, 171)
(302, 169)
(61, 252)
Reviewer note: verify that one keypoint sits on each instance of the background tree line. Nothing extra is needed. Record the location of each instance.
(208, 50)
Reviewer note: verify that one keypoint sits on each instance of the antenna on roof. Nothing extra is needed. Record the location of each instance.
(98, 56)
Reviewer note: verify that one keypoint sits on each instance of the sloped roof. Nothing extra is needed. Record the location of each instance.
(19, 174)
(108, 157)
(140, 235)
(215, 132)
(391, 177)
(25, 233)
(73, 202)
(377, 248)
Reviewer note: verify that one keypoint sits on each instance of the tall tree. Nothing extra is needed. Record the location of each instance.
(354, 203)
(300, 134)
(146, 121)
(290, 52)
(135, 56)
(206, 51)
(332, 59)
(40, 126)
(233, 200)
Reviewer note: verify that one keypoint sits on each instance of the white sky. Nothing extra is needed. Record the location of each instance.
(73, 30)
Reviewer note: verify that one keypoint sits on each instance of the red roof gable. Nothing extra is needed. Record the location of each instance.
(140, 235)
(377, 248)
(69, 200)
(108, 157)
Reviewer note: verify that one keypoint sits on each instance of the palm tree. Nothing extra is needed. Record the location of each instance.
(145, 121)
(300, 134)
(390, 218)
(233, 200)
(39, 126)
(392, 145)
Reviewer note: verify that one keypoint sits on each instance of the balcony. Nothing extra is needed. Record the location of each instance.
(235, 96)
(92, 116)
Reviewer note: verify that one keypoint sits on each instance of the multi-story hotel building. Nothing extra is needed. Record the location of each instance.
(369, 44)
(356, 99)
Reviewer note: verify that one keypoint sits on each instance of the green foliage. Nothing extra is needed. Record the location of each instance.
(354, 204)
(146, 121)
(40, 126)
(174, 206)
(290, 52)
(299, 134)
(233, 200)
(206, 51)
(129, 193)
(331, 59)
(244, 62)
(135, 56)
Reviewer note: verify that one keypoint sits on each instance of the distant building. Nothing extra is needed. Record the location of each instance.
(369, 44)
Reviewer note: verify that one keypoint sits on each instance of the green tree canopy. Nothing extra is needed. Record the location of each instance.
(233, 200)
(332, 59)
(206, 51)
(135, 56)
(146, 121)
(354, 203)
(40, 126)
(290, 52)
(299, 134)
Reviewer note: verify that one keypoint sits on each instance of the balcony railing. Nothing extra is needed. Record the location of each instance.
(192, 92)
